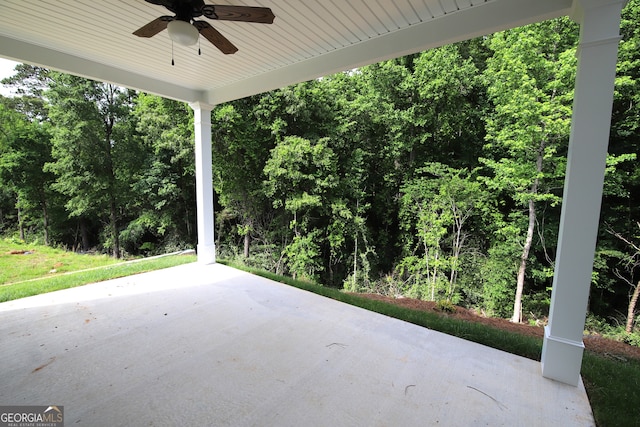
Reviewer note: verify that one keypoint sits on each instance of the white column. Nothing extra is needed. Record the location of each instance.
(206, 247)
(597, 56)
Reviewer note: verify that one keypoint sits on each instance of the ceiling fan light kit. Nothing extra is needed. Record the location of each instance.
(183, 32)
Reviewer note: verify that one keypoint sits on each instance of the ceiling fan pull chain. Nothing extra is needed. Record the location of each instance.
(199, 52)
(172, 62)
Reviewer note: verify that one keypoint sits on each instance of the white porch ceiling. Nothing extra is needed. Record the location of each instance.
(308, 39)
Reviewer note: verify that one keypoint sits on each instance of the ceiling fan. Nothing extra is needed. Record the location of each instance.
(185, 30)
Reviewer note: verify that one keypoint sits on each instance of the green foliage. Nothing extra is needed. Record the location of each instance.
(612, 328)
(446, 115)
(301, 256)
(91, 146)
(299, 172)
(162, 177)
(530, 80)
(25, 148)
(498, 272)
(299, 175)
(445, 306)
(240, 151)
(632, 338)
(437, 210)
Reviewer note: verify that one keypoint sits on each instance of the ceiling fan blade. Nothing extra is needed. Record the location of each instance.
(214, 36)
(153, 27)
(261, 15)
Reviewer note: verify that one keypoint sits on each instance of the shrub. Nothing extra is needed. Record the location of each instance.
(445, 306)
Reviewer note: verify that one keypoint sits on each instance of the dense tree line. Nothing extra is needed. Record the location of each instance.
(437, 175)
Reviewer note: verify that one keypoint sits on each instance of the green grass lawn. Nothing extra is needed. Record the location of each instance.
(40, 261)
(43, 269)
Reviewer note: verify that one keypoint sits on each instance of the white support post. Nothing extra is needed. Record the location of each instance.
(563, 348)
(206, 247)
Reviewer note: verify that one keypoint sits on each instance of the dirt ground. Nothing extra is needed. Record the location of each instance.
(597, 344)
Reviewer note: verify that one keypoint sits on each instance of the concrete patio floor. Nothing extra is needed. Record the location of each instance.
(209, 345)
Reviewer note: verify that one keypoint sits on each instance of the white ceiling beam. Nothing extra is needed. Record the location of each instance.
(21, 51)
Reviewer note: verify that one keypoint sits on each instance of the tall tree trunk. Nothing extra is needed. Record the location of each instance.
(517, 304)
(20, 221)
(114, 227)
(632, 264)
(457, 248)
(632, 308)
(355, 262)
(247, 240)
(434, 277)
(84, 236)
(45, 222)
(187, 222)
(111, 176)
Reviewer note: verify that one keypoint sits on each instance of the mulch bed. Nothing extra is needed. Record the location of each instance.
(594, 343)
